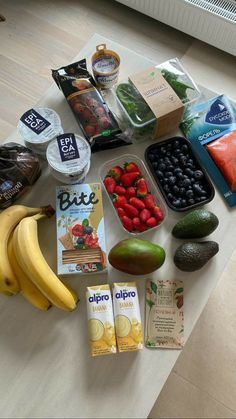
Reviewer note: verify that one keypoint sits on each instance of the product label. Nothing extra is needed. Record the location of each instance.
(127, 317)
(164, 314)
(33, 120)
(218, 114)
(67, 147)
(81, 246)
(160, 97)
(100, 320)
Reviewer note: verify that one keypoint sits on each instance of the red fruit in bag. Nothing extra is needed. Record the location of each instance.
(130, 210)
(121, 212)
(127, 179)
(120, 190)
(130, 192)
(119, 200)
(144, 215)
(158, 213)
(116, 172)
(132, 167)
(152, 222)
(127, 223)
(142, 189)
(137, 203)
(149, 201)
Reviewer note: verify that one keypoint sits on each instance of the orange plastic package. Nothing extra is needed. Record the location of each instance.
(223, 152)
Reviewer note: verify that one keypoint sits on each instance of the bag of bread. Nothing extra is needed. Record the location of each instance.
(19, 169)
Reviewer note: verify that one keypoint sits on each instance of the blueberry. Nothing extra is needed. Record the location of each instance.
(168, 153)
(152, 157)
(176, 144)
(198, 175)
(184, 148)
(191, 201)
(198, 189)
(203, 198)
(183, 202)
(171, 168)
(180, 175)
(172, 180)
(174, 160)
(190, 161)
(170, 196)
(177, 203)
(189, 193)
(155, 165)
(162, 167)
(166, 188)
(175, 189)
(161, 181)
(189, 165)
(167, 161)
(80, 240)
(88, 230)
(192, 179)
(181, 191)
(159, 174)
(177, 170)
(183, 160)
(176, 152)
(186, 182)
(189, 172)
(163, 150)
(168, 174)
(165, 179)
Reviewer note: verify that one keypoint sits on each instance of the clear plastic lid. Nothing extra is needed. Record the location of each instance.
(74, 165)
(39, 125)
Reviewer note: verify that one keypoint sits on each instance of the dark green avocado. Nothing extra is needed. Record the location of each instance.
(192, 256)
(136, 256)
(195, 225)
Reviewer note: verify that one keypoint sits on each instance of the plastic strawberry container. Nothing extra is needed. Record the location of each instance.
(159, 201)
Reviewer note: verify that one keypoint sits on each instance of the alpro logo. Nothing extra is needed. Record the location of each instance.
(123, 294)
(97, 298)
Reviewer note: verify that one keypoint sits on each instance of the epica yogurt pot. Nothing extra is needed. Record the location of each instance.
(38, 127)
(68, 158)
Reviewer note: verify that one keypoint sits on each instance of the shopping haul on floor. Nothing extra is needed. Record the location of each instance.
(175, 176)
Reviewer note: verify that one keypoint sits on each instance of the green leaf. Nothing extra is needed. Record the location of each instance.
(154, 287)
(179, 290)
(59, 223)
(150, 303)
(85, 222)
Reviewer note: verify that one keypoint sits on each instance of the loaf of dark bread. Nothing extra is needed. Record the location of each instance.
(19, 169)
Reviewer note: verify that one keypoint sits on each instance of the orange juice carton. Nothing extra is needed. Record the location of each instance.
(100, 320)
(128, 323)
(81, 246)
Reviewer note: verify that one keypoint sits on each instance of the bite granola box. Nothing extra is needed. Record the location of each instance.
(81, 246)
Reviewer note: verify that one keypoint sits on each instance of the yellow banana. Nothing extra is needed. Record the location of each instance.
(32, 261)
(9, 218)
(28, 289)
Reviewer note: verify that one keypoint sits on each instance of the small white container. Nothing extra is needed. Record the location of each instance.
(38, 127)
(69, 171)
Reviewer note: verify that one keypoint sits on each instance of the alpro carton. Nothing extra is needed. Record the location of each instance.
(100, 320)
(81, 247)
(128, 324)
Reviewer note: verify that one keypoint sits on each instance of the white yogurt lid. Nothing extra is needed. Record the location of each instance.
(39, 125)
(68, 153)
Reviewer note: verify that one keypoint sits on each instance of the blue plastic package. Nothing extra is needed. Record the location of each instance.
(204, 123)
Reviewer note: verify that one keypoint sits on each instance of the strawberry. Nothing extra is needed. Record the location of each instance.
(130, 192)
(127, 179)
(138, 225)
(152, 222)
(127, 223)
(121, 212)
(116, 172)
(110, 184)
(131, 167)
(77, 230)
(149, 201)
(119, 200)
(142, 189)
(158, 213)
(137, 203)
(120, 190)
(144, 215)
(130, 210)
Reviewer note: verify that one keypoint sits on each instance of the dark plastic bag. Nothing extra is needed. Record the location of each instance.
(95, 119)
(19, 169)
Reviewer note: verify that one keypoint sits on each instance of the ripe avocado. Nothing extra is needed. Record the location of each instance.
(192, 256)
(195, 225)
(136, 256)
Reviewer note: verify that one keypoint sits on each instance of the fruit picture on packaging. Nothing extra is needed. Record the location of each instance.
(80, 229)
(136, 206)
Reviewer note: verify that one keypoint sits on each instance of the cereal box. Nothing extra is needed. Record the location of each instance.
(81, 246)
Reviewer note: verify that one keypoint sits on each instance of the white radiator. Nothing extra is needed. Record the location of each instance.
(211, 21)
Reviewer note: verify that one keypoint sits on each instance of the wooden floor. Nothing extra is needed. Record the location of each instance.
(40, 35)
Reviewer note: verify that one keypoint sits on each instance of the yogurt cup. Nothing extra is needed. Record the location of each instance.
(105, 65)
(38, 127)
(68, 158)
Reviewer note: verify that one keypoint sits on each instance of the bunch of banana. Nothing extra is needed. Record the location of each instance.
(23, 267)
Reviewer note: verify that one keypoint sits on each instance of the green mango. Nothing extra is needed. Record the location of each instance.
(136, 256)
